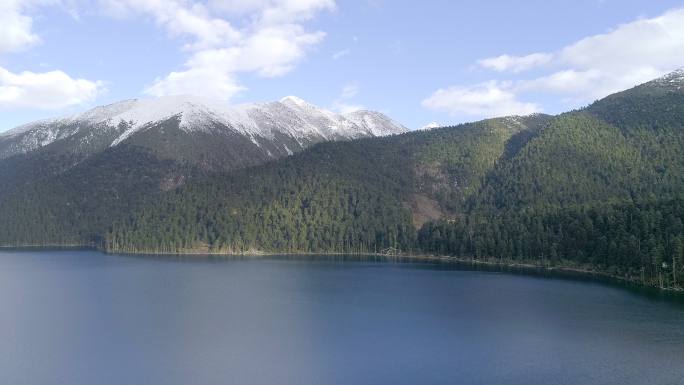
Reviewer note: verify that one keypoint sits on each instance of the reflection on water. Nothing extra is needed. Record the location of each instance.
(81, 317)
(436, 263)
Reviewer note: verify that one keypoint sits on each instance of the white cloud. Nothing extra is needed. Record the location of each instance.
(489, 99)
(288, 11)
(194, 82)
(268, 39)
(343, 102)
(396, 47)
(46, 90)
(515, 63)
(579, 73)
(345, 108)
(656, 43)
(582, 86)
(180, 19)
(16, 25)
(349, 91)
(273, 11)
(340, 54)
(269, 52)
(49, 90)
(599, 65)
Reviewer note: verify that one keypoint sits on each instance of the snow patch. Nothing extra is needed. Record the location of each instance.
(674, 78)
(430, 126)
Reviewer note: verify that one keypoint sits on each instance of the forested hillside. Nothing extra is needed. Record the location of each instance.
(78, 206)
(382, 182)
(600, 189)
(359, 196)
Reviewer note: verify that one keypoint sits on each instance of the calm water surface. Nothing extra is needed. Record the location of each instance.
(84, 318)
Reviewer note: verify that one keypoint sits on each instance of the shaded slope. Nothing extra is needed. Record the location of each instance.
(346, 196)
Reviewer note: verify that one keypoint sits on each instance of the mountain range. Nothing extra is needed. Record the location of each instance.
(224, 136)
(600, 188)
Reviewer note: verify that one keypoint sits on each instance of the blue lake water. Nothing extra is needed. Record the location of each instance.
(85, 318)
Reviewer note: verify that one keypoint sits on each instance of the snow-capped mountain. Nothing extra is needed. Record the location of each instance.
(673, 80)
(430, 126)
(278, 128)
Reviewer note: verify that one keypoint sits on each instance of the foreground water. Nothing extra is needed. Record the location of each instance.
(81, 317)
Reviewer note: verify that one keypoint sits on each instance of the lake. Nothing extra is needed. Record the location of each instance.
(86, 318)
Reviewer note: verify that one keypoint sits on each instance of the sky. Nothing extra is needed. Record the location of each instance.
(418, 62)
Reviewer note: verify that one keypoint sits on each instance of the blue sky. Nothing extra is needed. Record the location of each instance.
(444, 61)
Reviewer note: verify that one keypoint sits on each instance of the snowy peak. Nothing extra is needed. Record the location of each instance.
(676, 76)
(294, 101)
(291, 117)
(374, 123)
(673, 81)
(430, 126)
(102, 113)
(140, 112)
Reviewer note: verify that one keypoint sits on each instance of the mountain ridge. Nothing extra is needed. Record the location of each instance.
(292, 117)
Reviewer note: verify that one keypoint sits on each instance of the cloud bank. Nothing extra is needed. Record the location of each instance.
(224, 39)
(48, 90)
(579, 73)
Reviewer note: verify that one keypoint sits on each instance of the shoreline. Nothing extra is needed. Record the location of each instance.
(576, 272)
(529, 267)
(48, 246)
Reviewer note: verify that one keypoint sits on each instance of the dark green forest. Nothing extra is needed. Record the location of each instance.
(598, 189)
